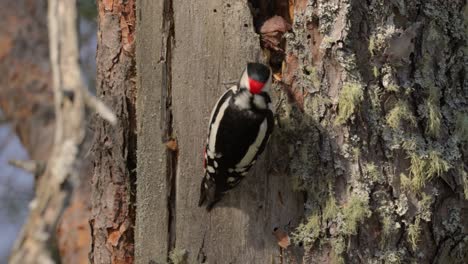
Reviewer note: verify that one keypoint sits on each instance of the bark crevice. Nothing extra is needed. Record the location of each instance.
(167, 120)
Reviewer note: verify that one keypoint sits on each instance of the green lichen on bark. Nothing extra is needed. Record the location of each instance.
(312, 75)
(355, 211)
(414, 233)
(346, 219)
(350, 97)
(399, 113)
(425, 167)
(392, 128)
(433, 113)
(178, 256)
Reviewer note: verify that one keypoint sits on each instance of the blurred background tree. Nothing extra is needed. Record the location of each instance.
(27, 119)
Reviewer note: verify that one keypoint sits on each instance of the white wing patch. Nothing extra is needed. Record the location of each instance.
(214, 128)
(253, 149)
(210, 169)
(233, 89)
(214, 124)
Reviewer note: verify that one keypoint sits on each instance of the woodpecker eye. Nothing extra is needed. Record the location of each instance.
(255, 86)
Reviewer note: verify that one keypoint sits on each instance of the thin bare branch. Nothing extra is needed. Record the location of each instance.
(61, 176)
(97, 106)
(32, 166)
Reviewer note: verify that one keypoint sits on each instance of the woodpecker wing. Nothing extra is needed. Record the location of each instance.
(208, 184)
(236, 138)
(241, 137)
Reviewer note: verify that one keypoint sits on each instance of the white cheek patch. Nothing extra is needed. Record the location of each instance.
(244, 81)
(259, 102)
(215, 164)
(242, 100)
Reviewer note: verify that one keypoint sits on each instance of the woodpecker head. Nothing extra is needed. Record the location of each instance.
(256, 78)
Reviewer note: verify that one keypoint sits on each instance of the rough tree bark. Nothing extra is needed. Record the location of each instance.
(114, 148)
(373, 129)
(380, 92)
(186, 50)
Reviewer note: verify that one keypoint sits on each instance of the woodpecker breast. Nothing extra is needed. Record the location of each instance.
(239, 128)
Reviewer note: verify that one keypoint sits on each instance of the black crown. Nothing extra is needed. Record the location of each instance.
(259, 72)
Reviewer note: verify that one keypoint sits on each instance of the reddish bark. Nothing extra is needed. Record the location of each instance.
(113, 209)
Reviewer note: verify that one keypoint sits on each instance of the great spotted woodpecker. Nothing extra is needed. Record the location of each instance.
(240, 125)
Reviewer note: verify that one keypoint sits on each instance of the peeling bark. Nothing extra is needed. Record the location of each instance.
(114, 148)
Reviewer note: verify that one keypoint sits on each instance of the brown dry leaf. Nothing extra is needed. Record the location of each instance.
(272, 31)
(291, 8)
(282, 238)
(275, 24)
(114, 237)
(172, 144)
(277, 76)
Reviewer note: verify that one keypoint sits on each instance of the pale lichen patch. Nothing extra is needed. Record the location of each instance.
(350, 97)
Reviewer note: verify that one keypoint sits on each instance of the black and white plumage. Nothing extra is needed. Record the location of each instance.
(240, 125)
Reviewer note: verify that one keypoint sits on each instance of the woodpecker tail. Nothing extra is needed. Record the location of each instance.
(208, 194)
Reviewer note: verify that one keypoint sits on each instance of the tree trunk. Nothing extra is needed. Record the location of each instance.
(186, 50)
(26, 100)
(114, 148)
(380, 110)
(374, 120)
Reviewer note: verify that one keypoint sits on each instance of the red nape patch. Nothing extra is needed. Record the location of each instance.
(255, 86)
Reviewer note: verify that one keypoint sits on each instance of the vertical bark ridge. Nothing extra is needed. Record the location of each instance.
(167, 120)
(114, 148)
